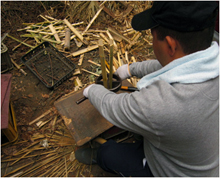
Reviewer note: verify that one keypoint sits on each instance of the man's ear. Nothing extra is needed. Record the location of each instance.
(172, 45)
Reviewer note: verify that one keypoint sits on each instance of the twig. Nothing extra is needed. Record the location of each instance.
(93, 19)
(41, 116)
(90, 72)
(18, 67)
(90, 48)
(20, 41)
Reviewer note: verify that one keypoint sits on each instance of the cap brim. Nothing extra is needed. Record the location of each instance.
(143, 20)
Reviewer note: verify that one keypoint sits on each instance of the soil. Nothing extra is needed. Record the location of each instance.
(29, 96)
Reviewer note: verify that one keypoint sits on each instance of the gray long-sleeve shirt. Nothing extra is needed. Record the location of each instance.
(179, 122)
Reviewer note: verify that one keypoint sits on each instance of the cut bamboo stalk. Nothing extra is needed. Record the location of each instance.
(111, 63)
(41, 116)
(110, 37)
(48, 170)
(20, 41)
(40, 32)
(90, 72)
(115, 62)
(59, 166)
(94, 63)
(78, 43)
(44, 18)
(78, 82)
(66, 168)
(133, 59)
(52, 41)
(77, 72)
(93, 19)
(102, 59)
(75, 31)
(36, 39)
(104, 37)
(80, 59)
(126, 57)
(54, 32)
(18, 169)
(19, 44)
(118, 34)
(20, 158)
(122, 47)
(67, 39)
(96, 31)
(51, 18)
(18, 67)
(119, 60)
(41, 123)
(89, 48)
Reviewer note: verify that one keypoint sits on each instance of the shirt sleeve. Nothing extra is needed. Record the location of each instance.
(122, 110)
(140, 69)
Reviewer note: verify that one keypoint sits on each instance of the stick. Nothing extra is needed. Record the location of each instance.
(18, 67)
(94, 63)
(41, 116)
(111, 63)
(80, 59)
(75, 31)
(104, 37)
(54, 32)
(90, 72)
(110, 37)
(19, 44)
(90, 48)
(102, 58)
(67, 39)
(121, 36)
(20, 41)
(93, 19)
(126, 57)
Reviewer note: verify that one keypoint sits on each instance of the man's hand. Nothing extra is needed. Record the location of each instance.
(86, 90)
(123, 72)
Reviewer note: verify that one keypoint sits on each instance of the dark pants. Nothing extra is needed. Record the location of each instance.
(125, 159)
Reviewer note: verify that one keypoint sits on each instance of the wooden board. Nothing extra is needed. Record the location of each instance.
(83, 120)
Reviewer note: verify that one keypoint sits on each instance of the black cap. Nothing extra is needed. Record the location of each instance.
(182, 16)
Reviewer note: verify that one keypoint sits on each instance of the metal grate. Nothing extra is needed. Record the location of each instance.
(49, 65)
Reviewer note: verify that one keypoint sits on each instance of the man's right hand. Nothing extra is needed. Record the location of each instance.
(123, 72)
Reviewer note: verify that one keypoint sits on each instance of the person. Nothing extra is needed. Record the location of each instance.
(176, 109)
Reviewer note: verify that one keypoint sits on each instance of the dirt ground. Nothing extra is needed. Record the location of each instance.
(29, 96)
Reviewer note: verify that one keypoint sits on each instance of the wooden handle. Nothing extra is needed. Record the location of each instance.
(81, 100)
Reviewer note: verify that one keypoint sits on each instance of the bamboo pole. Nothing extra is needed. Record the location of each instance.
(54, 32)
(67, 39)
(75, 31)
(102, 58)
(111, 63)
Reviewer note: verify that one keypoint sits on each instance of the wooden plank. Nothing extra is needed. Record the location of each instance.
(83, 121)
